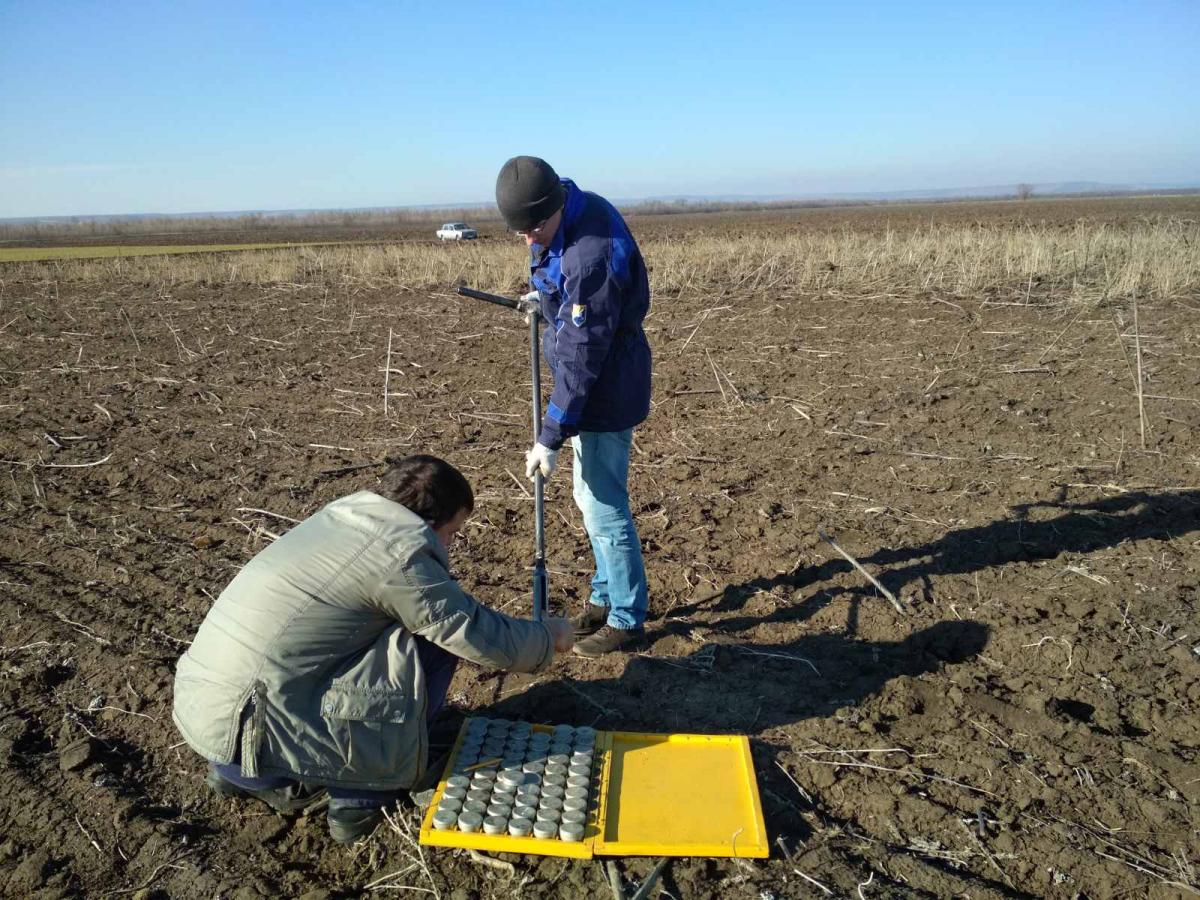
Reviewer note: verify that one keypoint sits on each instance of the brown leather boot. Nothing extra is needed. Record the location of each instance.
(590, 620)
(608, 639)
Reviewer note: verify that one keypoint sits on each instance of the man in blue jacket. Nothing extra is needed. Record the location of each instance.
(589, 277)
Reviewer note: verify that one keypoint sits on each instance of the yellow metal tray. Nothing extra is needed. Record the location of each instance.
(658, 795)
(506, 843)
(679, 795)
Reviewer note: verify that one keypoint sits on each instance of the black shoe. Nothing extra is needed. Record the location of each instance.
(590, 620)
(348, 824)
(290, 799)
(608, 640)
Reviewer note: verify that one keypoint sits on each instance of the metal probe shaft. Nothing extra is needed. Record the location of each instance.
(539, 523)
(540, 588)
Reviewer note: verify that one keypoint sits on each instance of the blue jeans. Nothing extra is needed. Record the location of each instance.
(601, 475)
(439, 666)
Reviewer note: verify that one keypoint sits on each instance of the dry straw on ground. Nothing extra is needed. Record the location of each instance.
(1001, 261)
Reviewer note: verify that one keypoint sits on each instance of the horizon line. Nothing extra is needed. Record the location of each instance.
(1044, 190)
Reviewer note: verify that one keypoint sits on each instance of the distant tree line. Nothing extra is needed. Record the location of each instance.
(146, 225)
(379, 219)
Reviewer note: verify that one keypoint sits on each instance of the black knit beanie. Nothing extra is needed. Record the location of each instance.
(528, 191)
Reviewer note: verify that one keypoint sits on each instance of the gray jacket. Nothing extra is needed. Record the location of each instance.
(306, 664)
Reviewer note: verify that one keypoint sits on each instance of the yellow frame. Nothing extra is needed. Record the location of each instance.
(749, 839)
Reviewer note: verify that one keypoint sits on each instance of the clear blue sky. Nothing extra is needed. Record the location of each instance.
(121, 107)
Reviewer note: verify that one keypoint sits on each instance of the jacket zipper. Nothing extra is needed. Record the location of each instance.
(252, 734)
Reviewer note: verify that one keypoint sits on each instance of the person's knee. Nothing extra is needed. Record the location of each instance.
(603, 523)
(622, 538)
(583, 497)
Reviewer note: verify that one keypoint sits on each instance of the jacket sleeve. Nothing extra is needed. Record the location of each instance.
(589, 317)
(421, 594)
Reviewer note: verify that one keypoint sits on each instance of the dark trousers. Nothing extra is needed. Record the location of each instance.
(438, 665)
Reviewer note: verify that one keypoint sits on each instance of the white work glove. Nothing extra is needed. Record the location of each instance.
(533, 297)
(540, 458)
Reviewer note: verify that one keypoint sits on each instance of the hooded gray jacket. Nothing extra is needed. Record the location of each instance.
(306, 664)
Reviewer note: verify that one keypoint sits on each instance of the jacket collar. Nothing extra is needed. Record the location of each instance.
(428, 535)
(571, 210)
(440, 553)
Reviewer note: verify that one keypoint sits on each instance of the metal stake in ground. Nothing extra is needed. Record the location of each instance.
(540, 586)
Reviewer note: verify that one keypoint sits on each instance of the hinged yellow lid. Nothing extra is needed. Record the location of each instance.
(657, 795)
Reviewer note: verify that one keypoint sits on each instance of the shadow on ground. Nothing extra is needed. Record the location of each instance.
(1082, 528)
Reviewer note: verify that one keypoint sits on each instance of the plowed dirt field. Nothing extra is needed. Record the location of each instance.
(1028, 728)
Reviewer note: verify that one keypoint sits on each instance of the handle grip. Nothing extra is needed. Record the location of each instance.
(490, 298)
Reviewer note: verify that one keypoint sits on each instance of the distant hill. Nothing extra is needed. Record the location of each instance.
(1049, 189)
(996, 191)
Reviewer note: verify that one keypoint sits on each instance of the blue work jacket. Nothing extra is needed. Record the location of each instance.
(591, 281)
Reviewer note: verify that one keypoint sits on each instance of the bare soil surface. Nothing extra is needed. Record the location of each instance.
(1028, 728)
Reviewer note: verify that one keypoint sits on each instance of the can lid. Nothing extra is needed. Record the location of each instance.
(519, 826)
(494, 824)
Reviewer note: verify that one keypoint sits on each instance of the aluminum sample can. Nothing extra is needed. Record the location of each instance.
(469, 821)
(574, 817)
(494, 824)
(519, 826)
(524, 812)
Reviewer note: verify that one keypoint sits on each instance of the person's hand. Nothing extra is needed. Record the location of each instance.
(532, 297)
(540, 458)
(562, 632)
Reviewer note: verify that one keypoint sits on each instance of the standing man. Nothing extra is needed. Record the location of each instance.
(590, 279)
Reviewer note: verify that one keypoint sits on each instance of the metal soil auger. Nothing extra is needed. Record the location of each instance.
(539, 554)
(618, 793)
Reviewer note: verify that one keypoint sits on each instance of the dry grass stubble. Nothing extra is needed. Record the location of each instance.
(1004, 261)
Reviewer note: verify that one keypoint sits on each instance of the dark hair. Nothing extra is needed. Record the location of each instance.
(430, 487)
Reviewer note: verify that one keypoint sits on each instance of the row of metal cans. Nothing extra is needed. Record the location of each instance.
(510, 778)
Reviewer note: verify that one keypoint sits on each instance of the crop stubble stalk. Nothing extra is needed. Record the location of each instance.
(1023, 263)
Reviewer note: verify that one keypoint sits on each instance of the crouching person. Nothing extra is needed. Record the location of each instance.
(316, 671)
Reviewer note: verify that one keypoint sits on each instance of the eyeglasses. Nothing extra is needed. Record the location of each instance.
(525, 232)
